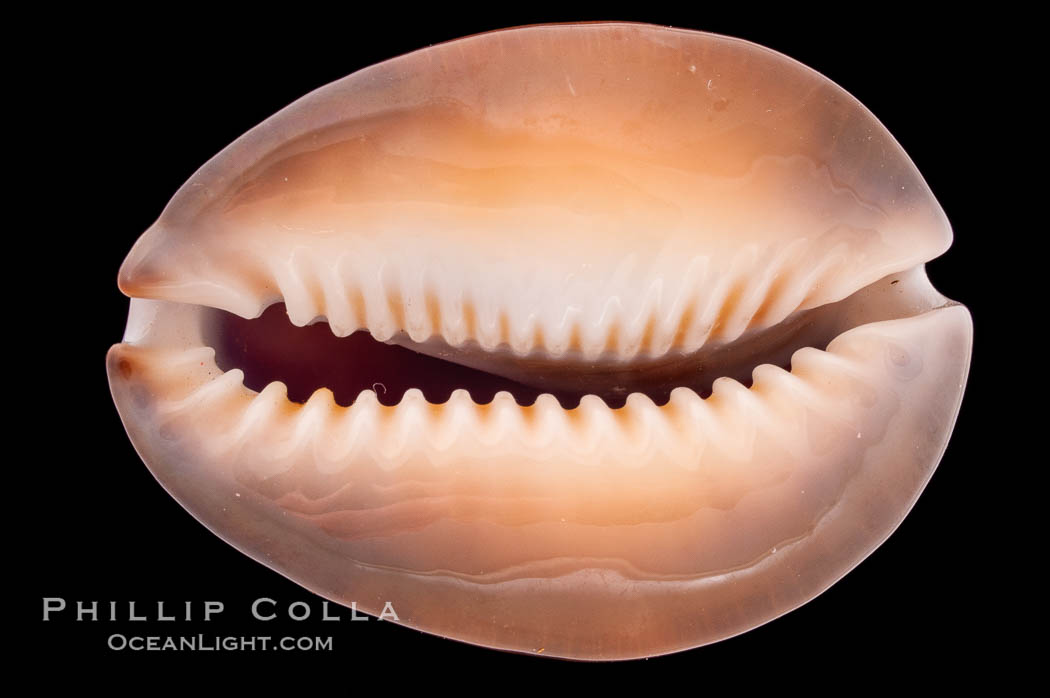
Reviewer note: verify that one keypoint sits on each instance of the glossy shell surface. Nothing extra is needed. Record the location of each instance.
(610, 209)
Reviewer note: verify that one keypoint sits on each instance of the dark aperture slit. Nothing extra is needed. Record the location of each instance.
(270, 348)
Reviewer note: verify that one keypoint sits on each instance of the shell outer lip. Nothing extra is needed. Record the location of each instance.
(265, 555)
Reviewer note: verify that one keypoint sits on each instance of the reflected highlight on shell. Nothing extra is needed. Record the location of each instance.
(609, 340)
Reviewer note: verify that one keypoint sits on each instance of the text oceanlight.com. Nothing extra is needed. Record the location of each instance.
(217, 643)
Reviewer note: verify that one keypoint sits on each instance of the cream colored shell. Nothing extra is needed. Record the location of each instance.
(559, 204)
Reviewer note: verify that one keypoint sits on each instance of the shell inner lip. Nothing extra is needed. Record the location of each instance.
(305, 359)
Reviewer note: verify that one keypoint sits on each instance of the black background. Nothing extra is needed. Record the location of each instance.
(131, 106)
